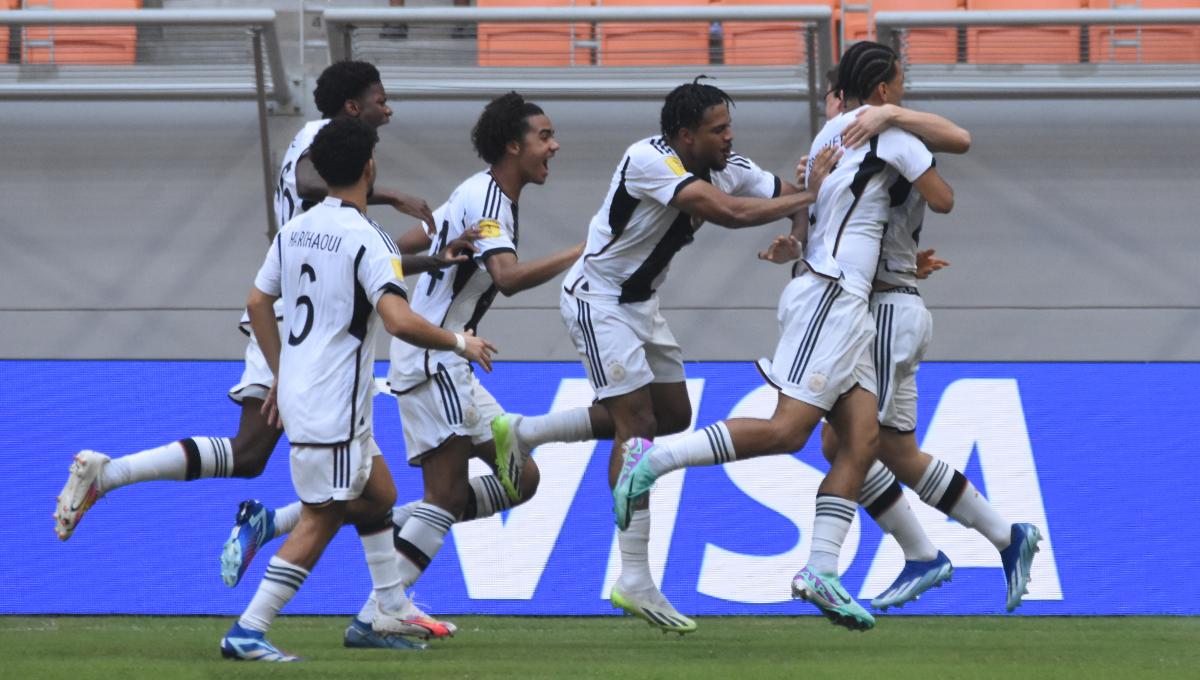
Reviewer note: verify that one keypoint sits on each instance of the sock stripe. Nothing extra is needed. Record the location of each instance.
(294, 572)
(954, 491)
(932, 480)
(412, 553)
(836, 507)
(439, 519)
(192, 453)
(885, 500)
(495, 491)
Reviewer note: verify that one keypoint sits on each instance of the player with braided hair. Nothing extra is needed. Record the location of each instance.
(663, 189)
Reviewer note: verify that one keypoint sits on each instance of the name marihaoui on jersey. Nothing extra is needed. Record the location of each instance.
(847, 222)
(457, 298)
(330, 266)
(636, 232)
(898, 250)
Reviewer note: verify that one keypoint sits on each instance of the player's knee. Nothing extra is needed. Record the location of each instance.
(829, 443)
(788, 436)
(531, 477)
(675, 419)
(250, 456)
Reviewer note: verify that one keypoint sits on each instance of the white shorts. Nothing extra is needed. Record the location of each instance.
(624, 346)
(451, 403)
(322, 474)
(825, 342)
(256, 376)
(903, 328)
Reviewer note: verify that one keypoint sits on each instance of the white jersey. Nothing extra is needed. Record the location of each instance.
(846, 223)
(330, 266)
(636, 232)
(457, 298)
(902, 236)
(288, 203)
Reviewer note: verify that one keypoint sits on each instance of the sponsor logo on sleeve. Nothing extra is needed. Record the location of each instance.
(397, 268)
(489, 229)
(676, 165)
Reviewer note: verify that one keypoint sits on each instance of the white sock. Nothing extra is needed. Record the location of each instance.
(401, 513)
(830, 526)
(383, 563)
(571, 425)
(369, 609)
(165, 462)
(279, 584)
(487, 498)
(709, 446)
(974, 511)
(420, 539)
(946, 489)
(884, 501)
(286, 519)
(635, 554)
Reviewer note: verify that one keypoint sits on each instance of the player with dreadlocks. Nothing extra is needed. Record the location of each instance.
(823, 363)
(664, 187)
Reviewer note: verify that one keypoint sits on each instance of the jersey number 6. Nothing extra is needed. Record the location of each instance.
(304, 301)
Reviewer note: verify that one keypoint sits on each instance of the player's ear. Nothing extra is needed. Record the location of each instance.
(370, 170)
(351, 107)
(513, 148)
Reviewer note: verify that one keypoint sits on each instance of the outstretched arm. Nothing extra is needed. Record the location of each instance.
(703, 200)
(938, 133)
(512, 276)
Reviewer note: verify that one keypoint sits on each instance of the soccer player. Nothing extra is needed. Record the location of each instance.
(446, 411)
(338, 274)
(344, 90)
(822, 365)
(903, 331)
(663, 189)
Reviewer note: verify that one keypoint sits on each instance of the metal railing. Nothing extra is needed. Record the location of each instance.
(383, 36)
(1075, 68)
(175, 55)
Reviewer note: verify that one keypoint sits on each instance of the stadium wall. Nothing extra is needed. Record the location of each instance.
(1099, 455)
(132, 230)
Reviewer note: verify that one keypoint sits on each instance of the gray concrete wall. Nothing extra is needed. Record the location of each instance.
(133, 230)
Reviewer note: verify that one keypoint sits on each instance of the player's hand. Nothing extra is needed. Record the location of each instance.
(782, 249)
(479, 351)
(460, 249)
(866, 124)
(418, 208)
(928, 264)
(801, 171)
(823, 164)
(270, 408)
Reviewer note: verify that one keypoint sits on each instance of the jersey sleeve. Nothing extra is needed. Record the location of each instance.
(267, 279)
(379, 269)
(490, 214)
(905, 152)
(651, 174)
(751, 181)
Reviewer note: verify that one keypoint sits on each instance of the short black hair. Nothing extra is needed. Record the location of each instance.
(341, 81)
(341, 149)
(505, 119)
(831, 79)
(685, 106)
(863, 67)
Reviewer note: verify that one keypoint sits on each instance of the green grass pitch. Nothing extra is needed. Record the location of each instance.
(737, 648)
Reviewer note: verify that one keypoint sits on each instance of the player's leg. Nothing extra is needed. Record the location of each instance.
(324, 478)
(93, 474)
(882, 497)
(950, 492)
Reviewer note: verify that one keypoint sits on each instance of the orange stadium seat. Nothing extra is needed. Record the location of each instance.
(532, 44)
(764, 42)
(653, 44)
(4, 30)
(81, 45)
(925, 46)
(1024, 45)
(1147, 44)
